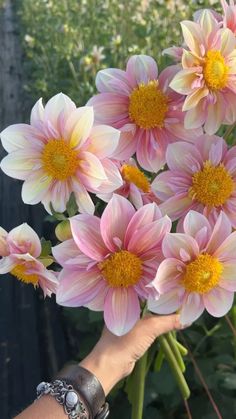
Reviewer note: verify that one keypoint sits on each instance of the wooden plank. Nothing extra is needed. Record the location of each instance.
(30, 330)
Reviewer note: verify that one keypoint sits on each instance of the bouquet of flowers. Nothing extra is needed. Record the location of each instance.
(142, 180)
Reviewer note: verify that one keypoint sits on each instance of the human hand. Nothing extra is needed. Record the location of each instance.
(114, 357)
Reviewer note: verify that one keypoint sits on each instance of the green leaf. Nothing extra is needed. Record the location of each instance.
(46, 247)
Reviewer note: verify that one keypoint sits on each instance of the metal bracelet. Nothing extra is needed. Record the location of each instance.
(66, 396)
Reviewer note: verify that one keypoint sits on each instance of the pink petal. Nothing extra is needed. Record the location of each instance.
(168, 275)
(37, 114)
(91, 172)
(103, 141)
(151, 149)
(195, 117)
(173, 243)
(86, 233)
(109, 108)
(67, 254)
(149, 236)
(218, 301)
(176, 206)
(166, 303)
(182, 156)
(35, 187)
(114, 180)
(192, 308)
(19, 136)
(121, 310)
(23, 239)
(57, 105)
(47, 281)
(77, 288)
(58, 194)
(127, 143)
(197, 226)
(226, 252)
(141, 69)
(115, 219)
(19, 164)
(4, 249)
(145, 215)
(228, 42)
(79, 125)
(193, 36)
(82, 197)
(194, 98)
(97, 303)
(228, 280)
(6, 265)
(113, 80)
(215, 115)
(221, 231)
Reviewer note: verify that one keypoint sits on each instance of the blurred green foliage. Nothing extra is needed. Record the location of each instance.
(65, 42)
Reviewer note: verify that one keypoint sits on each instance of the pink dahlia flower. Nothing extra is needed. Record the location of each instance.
(229, 17)
(144, 108)
(110, 261)
(201, 176)
(60, 152)
(208, 75)
(136, 185)
(20, 250)
(199, 270)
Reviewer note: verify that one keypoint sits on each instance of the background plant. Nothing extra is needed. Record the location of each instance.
(65, 44)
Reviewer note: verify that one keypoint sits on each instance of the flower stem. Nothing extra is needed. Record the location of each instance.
(139, 380)
(176, 352)
(183, 386)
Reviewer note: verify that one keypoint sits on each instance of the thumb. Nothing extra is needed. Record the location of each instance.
(157, 325)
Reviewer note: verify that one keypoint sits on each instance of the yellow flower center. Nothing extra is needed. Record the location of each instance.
(212, 185)
(148, 105)
(20, 272)
(202, 274)
(121, 269)
(59, 160)
(133, 175)
(215, 71)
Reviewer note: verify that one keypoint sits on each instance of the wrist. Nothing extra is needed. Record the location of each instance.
(100, 365)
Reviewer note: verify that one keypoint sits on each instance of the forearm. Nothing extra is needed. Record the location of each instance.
(46, 407)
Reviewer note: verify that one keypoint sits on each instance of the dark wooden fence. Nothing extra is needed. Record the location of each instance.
(32, 340)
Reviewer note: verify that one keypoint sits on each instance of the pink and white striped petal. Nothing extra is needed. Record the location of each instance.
(121, 310)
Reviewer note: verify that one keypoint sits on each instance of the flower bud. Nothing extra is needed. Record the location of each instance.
(63, 231)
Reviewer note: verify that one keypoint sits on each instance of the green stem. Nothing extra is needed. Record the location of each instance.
(183, 386)
(182, 349)
(139, 380)
(172, 342)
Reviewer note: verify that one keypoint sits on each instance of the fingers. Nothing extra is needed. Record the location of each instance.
(157, 325)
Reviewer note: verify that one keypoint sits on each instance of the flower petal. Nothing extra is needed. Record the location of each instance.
(79, 125)
(56, 106)
(23, 239)
(67, 254)
(141, 69)
(182, 156)
(115, 219)
(19, 164)
(121, 310)
(77, 288)
(195, 223)
(85, 229)
(192, 308)
(226, 251)
(82, 197)
(166, 303)
(113, 80)
(221, 231)
(35, 187)
(19, 136)
(228, 280)
(175, 243)
(218, 301)
(168, 275)
(6, 265)
(103, 141)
